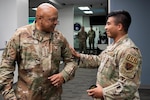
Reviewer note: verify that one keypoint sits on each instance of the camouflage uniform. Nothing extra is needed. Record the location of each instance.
(39, 55)
(82, 36)
(91, 35)
(119, 70)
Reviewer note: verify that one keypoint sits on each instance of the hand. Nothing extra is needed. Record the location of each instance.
(96, 92)
(74, 53)
(56, 79)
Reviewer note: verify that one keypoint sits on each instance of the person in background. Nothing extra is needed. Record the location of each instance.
(91, 36)
(82, 36)
(119, 65)
(38, 49)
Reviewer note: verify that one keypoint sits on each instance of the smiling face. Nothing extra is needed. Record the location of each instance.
(113, 29)
(117, 24)
(46, 18)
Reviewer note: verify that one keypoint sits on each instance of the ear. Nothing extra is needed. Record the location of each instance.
(120, 26)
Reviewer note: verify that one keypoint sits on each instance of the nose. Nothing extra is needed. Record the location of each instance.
(56, 22)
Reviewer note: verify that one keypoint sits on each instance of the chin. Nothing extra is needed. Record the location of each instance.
(48, 31)
(108, 35)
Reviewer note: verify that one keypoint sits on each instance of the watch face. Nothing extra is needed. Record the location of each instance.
(77, 26)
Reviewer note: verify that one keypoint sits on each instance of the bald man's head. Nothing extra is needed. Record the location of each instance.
(43, 9)
(46, 17)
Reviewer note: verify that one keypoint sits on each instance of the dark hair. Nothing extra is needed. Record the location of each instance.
(121, 16)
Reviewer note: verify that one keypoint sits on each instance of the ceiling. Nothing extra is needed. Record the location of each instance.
(99, 7)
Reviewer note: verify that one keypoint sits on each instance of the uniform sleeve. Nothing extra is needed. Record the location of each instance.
(7, 67)
(90, 61)
(70, 65)
(129, 77)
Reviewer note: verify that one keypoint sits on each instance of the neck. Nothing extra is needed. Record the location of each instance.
(118, 38)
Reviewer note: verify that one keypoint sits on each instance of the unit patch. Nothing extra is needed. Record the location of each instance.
(131, 59)
(129, 66)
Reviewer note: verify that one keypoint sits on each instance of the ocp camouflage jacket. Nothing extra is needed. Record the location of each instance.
(38, 55)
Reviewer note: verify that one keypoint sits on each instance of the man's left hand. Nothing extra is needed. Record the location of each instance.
(96, 92)
(56, 79)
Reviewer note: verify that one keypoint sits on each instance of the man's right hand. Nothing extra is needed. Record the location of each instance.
(74, 52)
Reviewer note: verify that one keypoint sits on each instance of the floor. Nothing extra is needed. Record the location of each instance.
(76, 89)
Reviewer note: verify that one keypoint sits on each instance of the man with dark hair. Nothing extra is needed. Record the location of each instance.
(119, 72)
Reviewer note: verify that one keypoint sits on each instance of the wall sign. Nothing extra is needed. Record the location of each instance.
(77, 26)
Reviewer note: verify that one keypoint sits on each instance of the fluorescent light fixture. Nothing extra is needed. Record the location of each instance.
(55, 2)
(34, 8)
(88, 12)
(84, 8)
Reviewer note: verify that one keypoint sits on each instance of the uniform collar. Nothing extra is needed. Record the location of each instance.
(40, 35)
(114, 45)
(122, 38)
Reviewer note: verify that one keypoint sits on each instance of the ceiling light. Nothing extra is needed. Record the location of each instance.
(84, 8)
(34, 8)
(55, 2)
(88, 12)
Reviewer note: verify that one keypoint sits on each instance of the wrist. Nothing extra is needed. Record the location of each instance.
(78, 55)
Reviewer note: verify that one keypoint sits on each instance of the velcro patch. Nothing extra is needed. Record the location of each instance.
(132, 59)
(129, 66)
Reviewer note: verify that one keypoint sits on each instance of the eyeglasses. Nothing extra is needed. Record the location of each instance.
(53, 20)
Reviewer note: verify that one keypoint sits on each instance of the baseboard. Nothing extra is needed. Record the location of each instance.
(144, 86)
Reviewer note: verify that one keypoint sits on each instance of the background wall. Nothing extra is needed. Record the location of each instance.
(14, 13)
(139, 30)
(8, 19)
(65, 26)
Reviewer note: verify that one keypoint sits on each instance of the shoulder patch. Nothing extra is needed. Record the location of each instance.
(129, 66)
(132, 59)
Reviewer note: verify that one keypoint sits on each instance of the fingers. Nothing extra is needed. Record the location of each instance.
(96, 92)
(90, 92)
(56, 80)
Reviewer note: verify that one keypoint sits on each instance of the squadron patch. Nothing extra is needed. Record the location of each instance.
(131, 61)
(129, 66)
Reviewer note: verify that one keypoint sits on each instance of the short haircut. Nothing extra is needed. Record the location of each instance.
(121, 16)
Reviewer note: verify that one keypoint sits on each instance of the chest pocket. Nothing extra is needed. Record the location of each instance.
(56, 51)
(30, 54)
(108, 61)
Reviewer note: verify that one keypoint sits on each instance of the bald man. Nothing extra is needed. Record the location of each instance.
(38, 49)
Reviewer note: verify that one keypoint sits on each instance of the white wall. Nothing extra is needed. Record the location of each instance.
(8, 19)
(78, 19)
(139, 30)
(65, 26)
(22, 12)
(14, 13)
